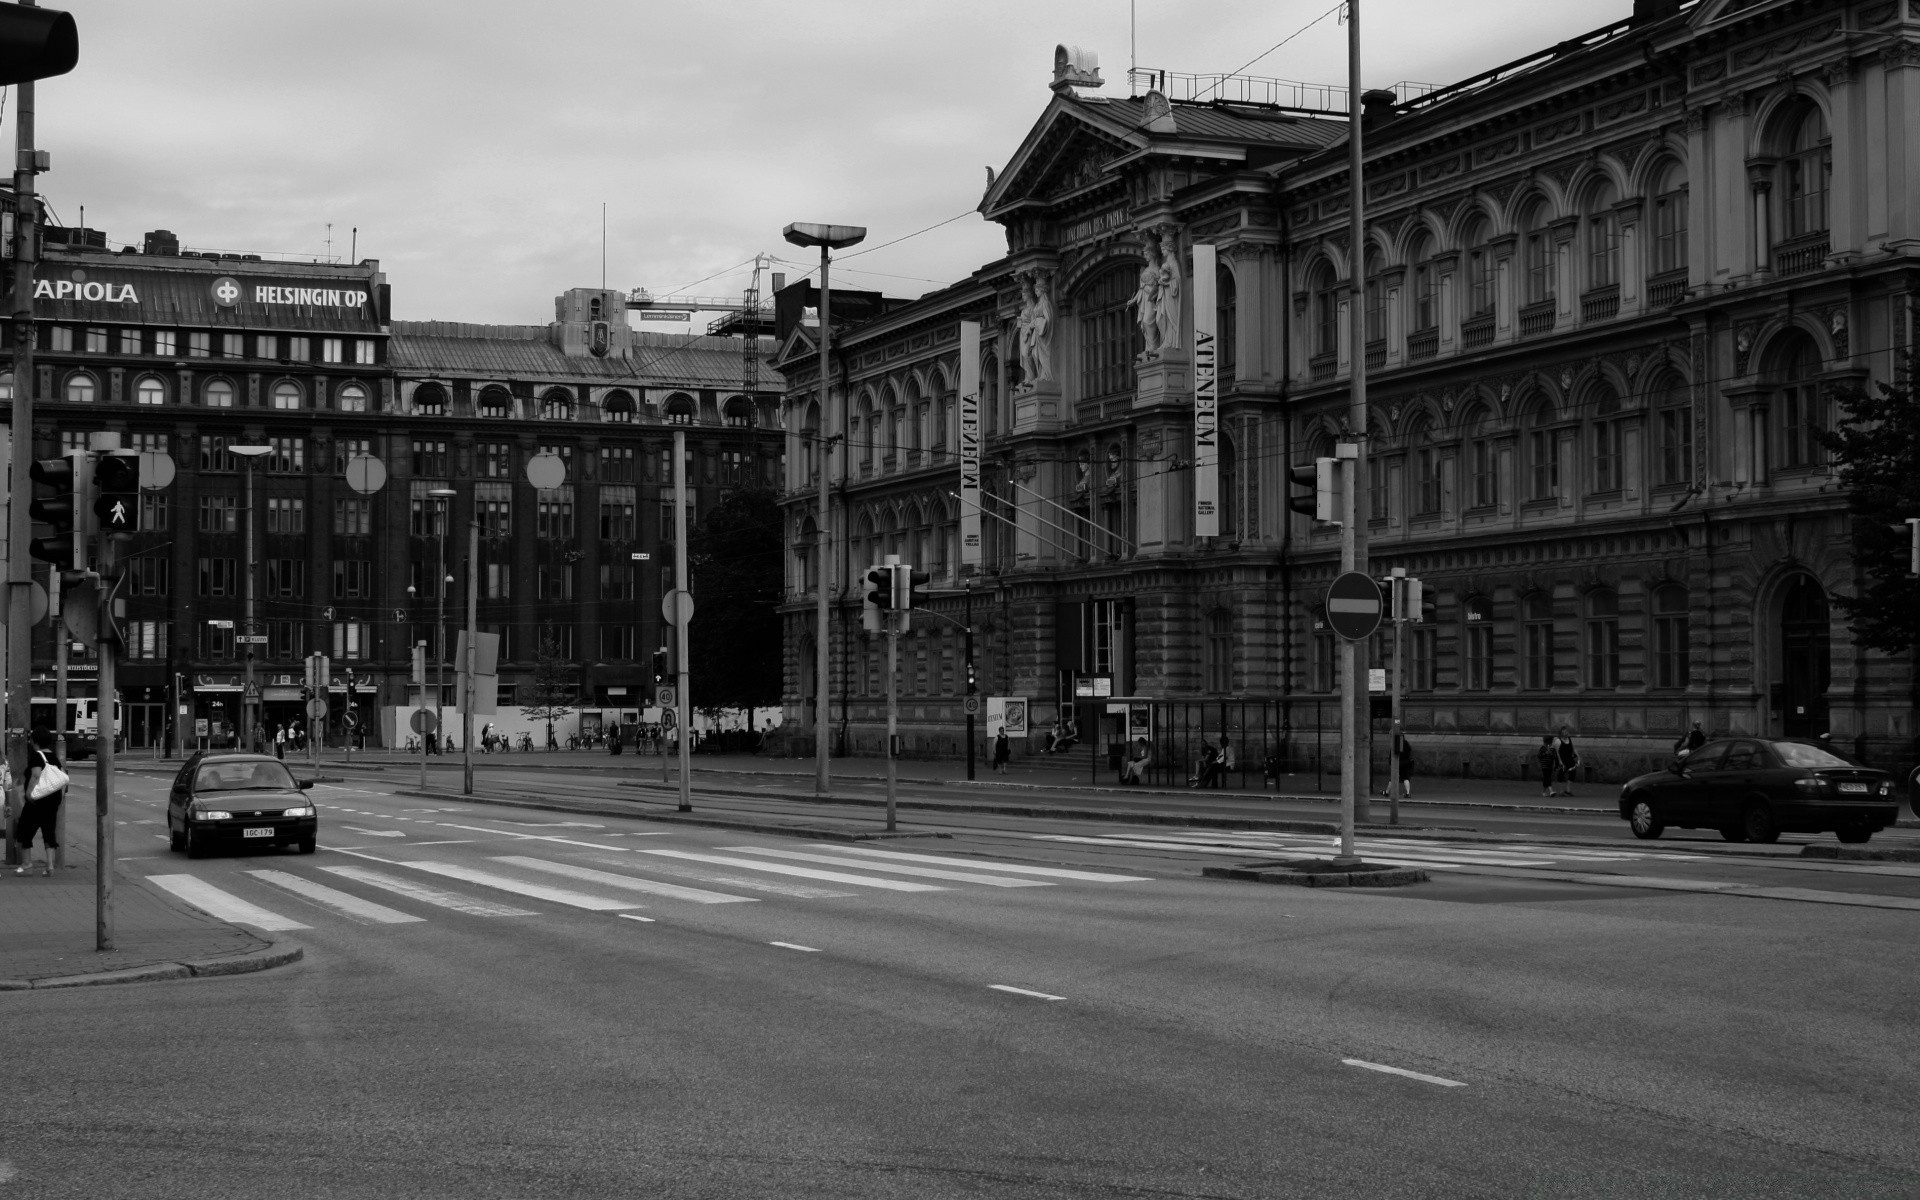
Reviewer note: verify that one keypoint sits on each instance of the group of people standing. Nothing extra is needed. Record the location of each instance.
(1557, 759)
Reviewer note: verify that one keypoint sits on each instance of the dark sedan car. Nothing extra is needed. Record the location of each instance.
(1755, 789)
(228, 800)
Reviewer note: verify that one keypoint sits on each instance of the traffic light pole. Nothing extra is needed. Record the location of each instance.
(26, 249)
(473, 628)
(105, 728)
(895, 619)
(972, 689)
(680, 582)
(1399, 614)
(1354, 747)
(62, 651)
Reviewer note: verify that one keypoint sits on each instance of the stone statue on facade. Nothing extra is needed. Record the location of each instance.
(1036, 327)
(1146, 301)
(1166, 313)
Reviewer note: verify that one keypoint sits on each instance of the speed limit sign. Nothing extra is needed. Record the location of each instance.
(970, 705)
(664, 696)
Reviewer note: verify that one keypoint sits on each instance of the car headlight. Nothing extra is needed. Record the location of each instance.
(304, 810)
(213, 814)
(1886, 789)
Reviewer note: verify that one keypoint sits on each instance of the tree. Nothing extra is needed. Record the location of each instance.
(1876, 448)
(733, 643)
(554, 693)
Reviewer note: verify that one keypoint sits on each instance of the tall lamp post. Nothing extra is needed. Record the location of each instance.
(443, 495)
(829, 238)
(249, 694)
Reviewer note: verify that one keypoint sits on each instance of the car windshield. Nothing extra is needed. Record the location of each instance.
(243, 775)
(1799, 754)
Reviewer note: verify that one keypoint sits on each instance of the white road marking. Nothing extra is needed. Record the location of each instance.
(896, 868)
(532, 837)
(1047, 872)
(1397, 858)
(792, 946)
(671, 890)
(428, 895)
(374, 832)
(534, 891)
(797, 891)
(1001, 987)
(448, 842)
(341, 902)
(631, 917)
(554, 824)
(1401, 1071)
(892, 885)
(224, 905)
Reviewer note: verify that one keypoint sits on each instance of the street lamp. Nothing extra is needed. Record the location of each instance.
(249, 696)
(829, 238)
(443, 495)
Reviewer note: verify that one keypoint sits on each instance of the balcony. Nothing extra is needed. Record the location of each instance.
(1537, 318)
(1324, 366)
(1798, 256)
(1477, 332)
(1600, 304)
(1376, 354)
(1667, 288)
(1422, 344)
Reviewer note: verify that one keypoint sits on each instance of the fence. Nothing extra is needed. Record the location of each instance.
(1271, 739)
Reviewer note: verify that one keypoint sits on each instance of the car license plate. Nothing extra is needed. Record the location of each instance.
(1854, 787)
(268, 832)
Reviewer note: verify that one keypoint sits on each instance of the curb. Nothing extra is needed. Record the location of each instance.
(674, 818)
(1383, 877)
(1858, 853)
(264, 959)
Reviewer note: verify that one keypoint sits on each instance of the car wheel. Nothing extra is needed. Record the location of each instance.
(196, 847)
(1855, 834)
(307, 845)
(1644, 822)
(1733, 833)
(1757, 820)
(176, 842)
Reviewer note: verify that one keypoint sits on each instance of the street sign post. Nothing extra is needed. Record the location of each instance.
(1353, 606)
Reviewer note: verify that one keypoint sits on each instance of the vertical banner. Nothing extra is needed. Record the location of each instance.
(1206, 396)
(969, 447)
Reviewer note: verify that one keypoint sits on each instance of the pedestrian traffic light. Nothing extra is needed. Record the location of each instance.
(36, 43)
(876, 598)
(1321, 497)
(63, 509)
(116, 491)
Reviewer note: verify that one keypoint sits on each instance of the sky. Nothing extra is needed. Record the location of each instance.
(473, 143)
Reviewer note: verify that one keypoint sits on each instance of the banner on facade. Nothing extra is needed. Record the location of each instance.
(969, 447)
(1206, 396)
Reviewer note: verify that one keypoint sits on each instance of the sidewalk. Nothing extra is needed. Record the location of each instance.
(47, 930)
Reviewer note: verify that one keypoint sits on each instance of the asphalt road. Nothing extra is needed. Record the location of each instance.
(481, 1014)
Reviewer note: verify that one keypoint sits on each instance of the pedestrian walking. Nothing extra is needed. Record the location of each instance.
(1549, 760)
(46, 788)
(1002, 751)
(1690, 741)
(1404, 749)
(280, 741)
(1569, 758)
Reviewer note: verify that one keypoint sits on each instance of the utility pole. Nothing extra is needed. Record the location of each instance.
(62, 649)
(973, 690)
(473, 627)
(1398, 611)
(683, 611)
(1354, 745)
(26, 253)
(105, 727)
(896, 619)
(250, 691)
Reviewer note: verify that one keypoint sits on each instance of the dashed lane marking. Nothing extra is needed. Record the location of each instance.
(793, 946)
(1402, 1072)
(1017, 991)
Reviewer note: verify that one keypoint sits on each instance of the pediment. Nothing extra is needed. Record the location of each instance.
(1715, 11)
(1064, 153)
(799, 345)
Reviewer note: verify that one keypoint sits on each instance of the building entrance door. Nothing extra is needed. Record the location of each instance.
(146, 725)
(1806, 664)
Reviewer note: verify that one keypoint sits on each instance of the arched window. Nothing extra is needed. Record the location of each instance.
(864, 433)
(287, 396)
(810, 441)
(739, 412)
(1376, 294)
(430, 400)
(618, 407)
(1672, 653)
(1536, 632)
(1323, 662)
(351, 398)
(1483, 458)
(218, 394)
(1603, 238)
(678, 409)
(1606, 434)
(1543, 453)
(1538, 254)
(1603, 639)
(149, 391)
(1220, 652)
(1480, 268)
(1110, 338)
(1227, 324)
(888, 438)
(556, 406)
(1672, 430)
(1802, 403)
(1479, 643)
(914, 412)
(1324, 290)
(863, 550)
(80, 388)
(1426, 313)
(1228, 501)
(1669, 219)
(1806, 172)
(495, 403)
(1425, 457)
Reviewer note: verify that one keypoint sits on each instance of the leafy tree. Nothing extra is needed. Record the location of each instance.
(733, 643)
(1877, 450)
(554, 693)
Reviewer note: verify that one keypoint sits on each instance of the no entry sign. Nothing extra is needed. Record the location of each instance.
(1353, 606)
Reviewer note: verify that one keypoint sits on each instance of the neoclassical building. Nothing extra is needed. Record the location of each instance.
(1610, 293)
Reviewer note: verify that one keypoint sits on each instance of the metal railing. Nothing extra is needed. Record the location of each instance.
(1324, 366)
(1536, 319)
(1257, 89)
(1376, 354)
(1601, 304)
(1801, 255)
(1477, 331)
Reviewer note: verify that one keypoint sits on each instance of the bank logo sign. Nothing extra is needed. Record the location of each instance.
(226, 291)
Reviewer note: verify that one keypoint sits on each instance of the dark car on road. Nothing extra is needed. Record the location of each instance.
(1755, 789)
(221, 801)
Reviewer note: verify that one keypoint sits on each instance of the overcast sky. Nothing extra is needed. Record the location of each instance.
(472, 142)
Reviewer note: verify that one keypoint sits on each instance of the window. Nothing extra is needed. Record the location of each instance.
(617, 506)
(495, 403)
(1673, 433)
(616, 581)
(1603, 248)
(1672, 653)
(497, 584)
(148, 575)
(616, 464)
(430, 400)
(427, 513)
(1479, 644)
(331, 350)
(353, 516)
(553, 514)
(300, 349)
(1323, 664)
(618, 643)
(364, 352)
(557, 406)
(1543, 455)
(350, 398)
(679, 409)
(1806, 170)
(59, 338)
(266, 345)
(149, 390)
(618, 407)
(165, 341)
(218, 578)
(289, 456)
(200, 345)
(346, 450)
(565, 455)
(739, 413)
(1226, 325)
(233, 345)
(352, 639)
(216, 641)
(1219, 652)
(1426, 470)
(493, 508)
(1539, 255)
(735, 467)
(553, 581)
(1483, 462)
(214, 455)
(287, 396)
(1376, 299)
(1420, 643)
(286, 514)
(666, 515)
(352, 579)
(286, 640)
(1110, 337)
(1326, 293)
(72, 439)
(154, 508)
(130, 341)
(147, 639)
(1606, 432)
(1670, 220)
(1802, 406)
(1603, 639)
(493, 460)
(430, 458)
(1480, 269)
(1537, 635)
(557, 640)
(219, 514)
(1425, 311)
(286, 578)
(218, 394)
(80, 388)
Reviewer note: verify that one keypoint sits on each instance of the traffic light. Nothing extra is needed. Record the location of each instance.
(116, 491)
(907, 585)
(36, 43)
(660, 673)
(876, 599)
(64, 510)
(1322, 499)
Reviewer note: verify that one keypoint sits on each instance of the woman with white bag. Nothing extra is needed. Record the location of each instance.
(46, 788)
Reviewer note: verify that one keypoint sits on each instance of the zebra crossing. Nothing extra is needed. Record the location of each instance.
(642, 877)
(1392, 851)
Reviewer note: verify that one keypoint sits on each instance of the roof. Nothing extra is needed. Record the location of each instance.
(1224, 121)
(524, 351)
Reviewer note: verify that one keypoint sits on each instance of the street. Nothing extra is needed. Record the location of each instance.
(508, 1001)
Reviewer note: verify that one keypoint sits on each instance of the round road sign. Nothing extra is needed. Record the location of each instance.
(1353, 606)
(677, 606)
(970, 705)
(545, 471)
(317, 710)
(366, 474)
(423, 720)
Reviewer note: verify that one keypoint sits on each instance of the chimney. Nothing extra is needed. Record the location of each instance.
(161, 241)
(1376, 108)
